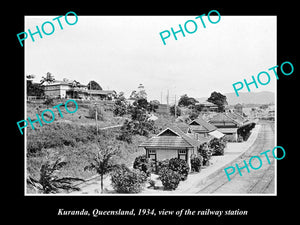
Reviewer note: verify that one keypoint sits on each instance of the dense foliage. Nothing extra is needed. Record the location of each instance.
(218, 99)
(93, 85)
(169, 178)
(139, 123)
(125, 180)
(186, 101)
(196, 163)
(206, 153)
(217, 146)
(180, 166)
(143, 164)
(120, 105)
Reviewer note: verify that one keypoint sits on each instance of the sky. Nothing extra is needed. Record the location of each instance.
(121, 52)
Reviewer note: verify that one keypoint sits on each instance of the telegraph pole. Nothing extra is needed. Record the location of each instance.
(175, 107)
(96, 114)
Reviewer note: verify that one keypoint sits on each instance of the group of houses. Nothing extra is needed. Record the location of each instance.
(184, 141)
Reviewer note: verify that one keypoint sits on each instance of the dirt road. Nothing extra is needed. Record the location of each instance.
(261, 181)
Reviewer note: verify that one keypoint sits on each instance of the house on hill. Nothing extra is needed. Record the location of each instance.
(172, 142)
(73, 89)
(208, 106)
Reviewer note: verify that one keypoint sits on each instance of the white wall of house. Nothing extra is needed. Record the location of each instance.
(163, 154)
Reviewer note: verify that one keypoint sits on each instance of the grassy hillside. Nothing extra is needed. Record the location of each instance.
(73, 138)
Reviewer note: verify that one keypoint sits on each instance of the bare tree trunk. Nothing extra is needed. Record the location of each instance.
(101, 177)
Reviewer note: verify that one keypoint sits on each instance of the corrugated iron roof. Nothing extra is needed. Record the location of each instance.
(222, 117)
(228, 130)
(202, 125)
(166, 141)
(176, 139)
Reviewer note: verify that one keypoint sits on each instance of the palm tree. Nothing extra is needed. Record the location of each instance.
(49, 182)
(49, 78)
(102, 162)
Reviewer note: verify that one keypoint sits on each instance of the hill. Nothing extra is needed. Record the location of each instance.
(263, 97)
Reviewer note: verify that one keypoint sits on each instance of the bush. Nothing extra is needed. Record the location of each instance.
(217, 146)
(206, 153)
(180, 166)
(142, 163)
(169, 178)
(126, 181)
(196, 163)
(162, 164)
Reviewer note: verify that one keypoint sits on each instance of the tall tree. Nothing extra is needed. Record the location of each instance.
(140, 93)
(93, 85)
(185, 100)
(120, 105)
(49, 78)
(102, 161)
(32, 88)
(218, 99)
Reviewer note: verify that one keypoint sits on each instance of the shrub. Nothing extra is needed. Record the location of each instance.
(196, 163)
(142, 163)
(126, 181)
(217, 146)
(180, 166)
(206, 153)
(126, 132)
(169, 178)
(162, 164)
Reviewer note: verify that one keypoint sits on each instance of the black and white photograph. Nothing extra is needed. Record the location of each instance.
(178, 116)
(146, 117)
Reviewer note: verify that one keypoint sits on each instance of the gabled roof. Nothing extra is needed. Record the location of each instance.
(207, 104)
(61, 82)
(201, 125)
(223, 118)
(171, 137)
(240, 119)
(100, 92)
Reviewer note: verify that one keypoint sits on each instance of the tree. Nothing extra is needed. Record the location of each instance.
(120, 105)
(186, 101)
(93, 85)
(218, 99)
(172, 110)
(140, 94)
(102, 161)
(49, 181)
(153, 105)
(75, 83)
(33, 89)
(49, 78)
